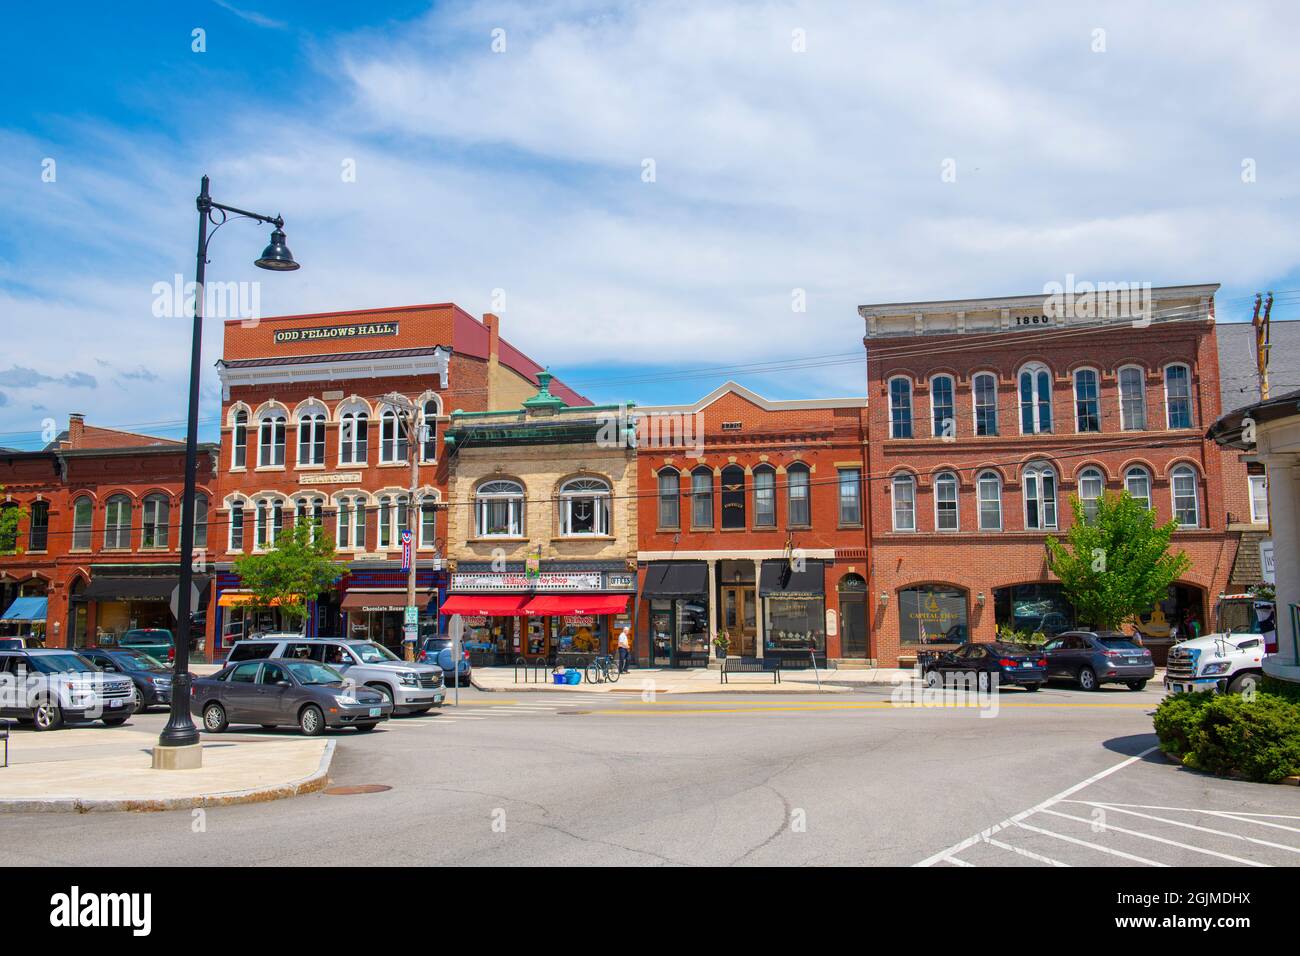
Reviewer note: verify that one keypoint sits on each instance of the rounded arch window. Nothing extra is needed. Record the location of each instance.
(117, 523)
(499, 505)
(1137, 482)
(83, 510)
(1183, 486)
(1039, 484)
(1035, 399)
(1092, 485)
(584, 506)
(733, 497)
(669, 481)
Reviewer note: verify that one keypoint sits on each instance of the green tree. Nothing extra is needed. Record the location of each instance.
(300, 568)
(10, 515)
(1117, 564)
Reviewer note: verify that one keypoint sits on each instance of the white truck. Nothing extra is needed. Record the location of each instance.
(1231, 660)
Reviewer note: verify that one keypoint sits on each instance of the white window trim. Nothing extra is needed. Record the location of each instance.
(1146, 475)
(768, 472)
(600, 501)
(394, 444)
(315, 419)
(235, 426)
(1191, 403)
(1038, 471)
(428, 499)
(910, 480)
(1034, 368)
(155, 499)
(974, 404)
(480, 510)
(1074, 398)
(350, 506)
(351, 415)
(1251, 481)
(997, 479)
(1196, 493)
(1095, 473)
(271, 417)
(911, 405)
(230, 525)
(956, 500)
(1142, 390)
(952, 382)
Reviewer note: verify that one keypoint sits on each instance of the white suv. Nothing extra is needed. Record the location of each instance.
(412, 688)
(47, 686)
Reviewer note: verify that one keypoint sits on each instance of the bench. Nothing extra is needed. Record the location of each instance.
(751, 665)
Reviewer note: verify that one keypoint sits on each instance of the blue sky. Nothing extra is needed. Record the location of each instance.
(500, 152)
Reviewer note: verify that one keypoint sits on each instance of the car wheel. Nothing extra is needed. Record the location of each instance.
(311, 721)
(114, 721)
(1032, 687)
(214, 718)
(46, 716)
(1244, 683)
(383, 690)
(1088, 679)
(933, 679)
(1136, 684)
(364, 728)
(983, 680)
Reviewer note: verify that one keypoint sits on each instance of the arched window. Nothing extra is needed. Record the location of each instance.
(311, 436)
(236, 542)
(904, 493)
(797, 489)
(1182, 485)
(1132, 399)
(900, 408)
(669, 499)
(200, 521)
(1039, 484)
(154, 534)
(1087, 402)
(702, 498)
(500, 508)
(270, 522)
(1092, 485)
(392, 519)
(239, 440)
(943, 411)
(392, 437)
(9, 536)
(429, 432)
(1035, 399)
(354, 434)
(764, 497)
(270, 438)
(310, 508)
(984, 389)
(428, 521)
(117, 523)
(82, 512)
(733, 497)
(38, 526)
(350, 522)
(989, 489)
(946, 517)
(1178, 396)
(1137, 482)
(584, 506)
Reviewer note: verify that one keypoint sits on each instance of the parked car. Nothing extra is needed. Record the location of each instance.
(1093, 658)
(279, 692)
(412, 688)
(153, 680)
(155, 641)
(438, 650)
(1017, 664)
(14, 643)
(48, 687)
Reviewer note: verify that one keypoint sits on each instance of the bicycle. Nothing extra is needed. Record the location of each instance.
(602, 669)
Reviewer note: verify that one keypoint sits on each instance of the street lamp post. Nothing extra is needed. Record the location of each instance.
(410, 416)
(178, 744)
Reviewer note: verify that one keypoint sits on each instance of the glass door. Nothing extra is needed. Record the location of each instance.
(739, 619)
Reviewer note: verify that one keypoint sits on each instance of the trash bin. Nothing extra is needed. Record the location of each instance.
(561, 678)
(575, 677)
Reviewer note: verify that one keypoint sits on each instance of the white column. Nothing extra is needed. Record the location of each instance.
(713, 607)
(1284, 518)
(758, 606)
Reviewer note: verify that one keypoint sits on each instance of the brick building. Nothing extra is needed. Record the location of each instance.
(541, 527)
(751, 522)
(97, 551)
(304, 433)
(988, 414)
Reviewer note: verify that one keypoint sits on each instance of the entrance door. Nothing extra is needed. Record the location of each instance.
(739, 619)
(853, 622)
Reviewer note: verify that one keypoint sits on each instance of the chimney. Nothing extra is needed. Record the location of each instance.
(76, 429)
(493, 326)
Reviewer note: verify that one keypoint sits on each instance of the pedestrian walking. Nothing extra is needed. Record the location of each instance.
(624, 648)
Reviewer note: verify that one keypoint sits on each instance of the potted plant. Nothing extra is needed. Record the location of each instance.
(721, 643)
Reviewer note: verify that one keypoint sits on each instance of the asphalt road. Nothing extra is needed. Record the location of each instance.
(541, 779)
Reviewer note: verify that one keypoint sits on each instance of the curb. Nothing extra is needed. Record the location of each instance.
(311, 783)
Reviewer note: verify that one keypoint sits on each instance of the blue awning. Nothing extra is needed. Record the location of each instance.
(25, 609)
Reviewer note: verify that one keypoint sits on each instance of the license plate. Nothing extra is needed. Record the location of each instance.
(375, 711)
(1179, 688)
(1134, 660)
(114, 703)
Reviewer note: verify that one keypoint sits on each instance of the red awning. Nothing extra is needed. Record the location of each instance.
(577, 604)
(501, 605)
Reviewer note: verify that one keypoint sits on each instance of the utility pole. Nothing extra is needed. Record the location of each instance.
(1261, 323)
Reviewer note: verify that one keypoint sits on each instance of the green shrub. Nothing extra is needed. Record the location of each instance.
(1256, 739)
(1177, 718)
(1286, 689)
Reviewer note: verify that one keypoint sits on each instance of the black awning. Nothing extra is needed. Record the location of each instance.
(778, 579)
(676, 579)
(142, 588)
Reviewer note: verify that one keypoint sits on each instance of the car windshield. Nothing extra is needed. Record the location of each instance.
(309, 672)
(373, 653)
(139, 661)
(1122, 643)
(59, 663)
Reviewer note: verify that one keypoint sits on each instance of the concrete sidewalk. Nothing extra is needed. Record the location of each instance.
(92, 767)
(701, 680)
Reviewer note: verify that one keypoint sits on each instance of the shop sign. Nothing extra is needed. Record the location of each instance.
(1266, 561)
(515, 581)
(361, 330)
(618, 581)
(579, 620)
(336, 478)
(382, 608)
(832, 622)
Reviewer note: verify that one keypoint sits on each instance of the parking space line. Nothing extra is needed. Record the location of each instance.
(1092, 846)
(1193, 826)
(956, 862)
(1023, 852)
(1147, 806)
(1158, 839)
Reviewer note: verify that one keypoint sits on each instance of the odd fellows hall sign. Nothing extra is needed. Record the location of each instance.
(361, 330)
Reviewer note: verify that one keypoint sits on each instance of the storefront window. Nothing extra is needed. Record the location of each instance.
(576, 634)
(692, 628)
(932, 614)
(1033, 608)
(795, 623)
